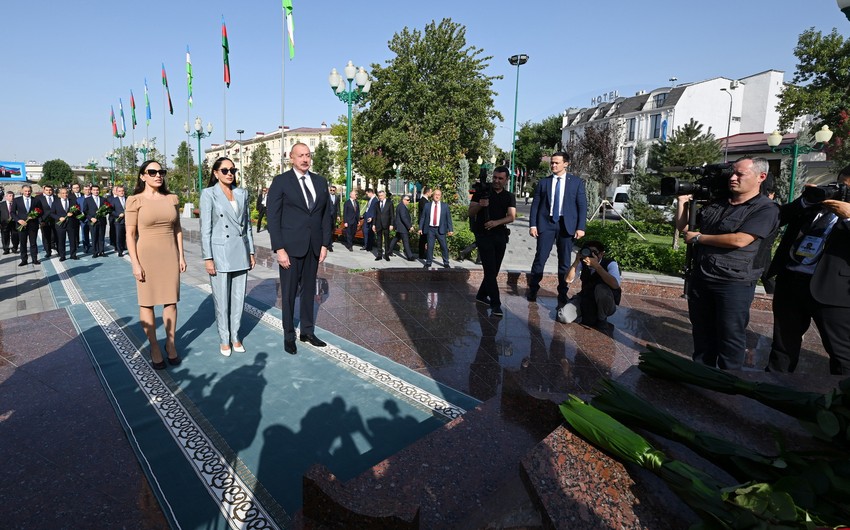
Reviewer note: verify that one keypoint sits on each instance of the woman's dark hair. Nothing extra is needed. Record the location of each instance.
(217, 164)
(140, 184)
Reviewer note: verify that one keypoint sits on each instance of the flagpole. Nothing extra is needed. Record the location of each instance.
(282, 88)
(225, 118)
(164, 141)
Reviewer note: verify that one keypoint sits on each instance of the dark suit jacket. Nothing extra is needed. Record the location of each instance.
(5, 216)
(260, 206)
(402, 218)
(46, 209)
(57, 211)
(351, 213)
(116, 203)
(20, 212)
(292, 226)
(334, 207)
(371, 209)
(573, 207)
(831, 280)
(90, 209)
(444, 224)
(383, 216)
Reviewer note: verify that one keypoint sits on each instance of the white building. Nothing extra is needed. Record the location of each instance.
(723, 106)
(240, 152)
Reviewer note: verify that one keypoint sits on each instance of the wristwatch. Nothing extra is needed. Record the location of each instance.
(696, 239)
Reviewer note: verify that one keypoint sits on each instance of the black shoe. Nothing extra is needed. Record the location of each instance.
(5, 252)
(120, 254)
(61, 259)
(485, 300)
(47, 256)
(74, 257)
(330, 249)
(446, 265)
(532, 295)
(362, 248)
(386, 258)
(22, 264)
(158, 366)
(350, 248)
(314, 340)
(427, 266)
(289, 347)
(497, 311)
(174, 361)
(379, 258)
(102, 255)
(36, 262)
(411, 259)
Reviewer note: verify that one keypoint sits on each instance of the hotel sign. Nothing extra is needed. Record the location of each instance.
(604, 98)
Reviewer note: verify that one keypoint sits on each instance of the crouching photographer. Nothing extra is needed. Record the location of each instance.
(724, 237)
(812, 269)
(600, 287)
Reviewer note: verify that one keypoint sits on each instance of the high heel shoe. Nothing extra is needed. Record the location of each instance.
(239, 349)
(158, 365)
(173, 361)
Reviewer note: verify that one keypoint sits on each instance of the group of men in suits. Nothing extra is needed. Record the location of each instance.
(22, 217)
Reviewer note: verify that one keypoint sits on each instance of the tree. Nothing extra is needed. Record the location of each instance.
(820, 88)
(56, 173)
(536, 139)
(323, 161)
(373, 167)
(687, 146)
(595, 154)
(183, 172)
(259, 168)
(431, 104)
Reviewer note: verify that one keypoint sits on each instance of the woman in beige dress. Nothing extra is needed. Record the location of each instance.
(155, 245)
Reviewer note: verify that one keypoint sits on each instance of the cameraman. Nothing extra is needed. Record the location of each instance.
(812, 268)
(600, 287)
(493, 209)
(723, 278)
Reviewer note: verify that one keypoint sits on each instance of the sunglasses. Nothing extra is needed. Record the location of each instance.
(154, 172)
(229, 170)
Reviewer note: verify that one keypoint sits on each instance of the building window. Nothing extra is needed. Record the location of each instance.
(659, 100)
(632, 129)
(572, 137)
(628, 158)
(655, 126)
(312, 142)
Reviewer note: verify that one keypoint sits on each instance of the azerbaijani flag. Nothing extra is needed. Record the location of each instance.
(189, 74)
(226, 48)
(123, 123)
(167, 92)
(147, 103)
(290, 27)
(132, 109)
(112, 119)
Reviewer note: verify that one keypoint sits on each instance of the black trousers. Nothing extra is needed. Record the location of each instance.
(794, 308)
(720, 314)
(350, 234)
(48, 237)
(10, 235)
(71, 233)
(120, 239)
(86, 236)
(260, 214)
(432, 234)
(491, 250)
(29, 236)
(302, 272)
(383, 241)
(98, 234)
(404, 236)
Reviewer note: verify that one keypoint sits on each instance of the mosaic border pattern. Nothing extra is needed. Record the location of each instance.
(236, 501)
(367, 370)
(74, 294)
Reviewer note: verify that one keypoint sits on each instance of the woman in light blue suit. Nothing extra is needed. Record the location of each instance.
(228, 249)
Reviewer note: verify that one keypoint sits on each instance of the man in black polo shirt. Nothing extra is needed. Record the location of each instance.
(726, 240)
(493, 211)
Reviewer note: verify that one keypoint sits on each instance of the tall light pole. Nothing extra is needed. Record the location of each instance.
(111, 157)
(795, 149)
(844, 6)
(350, 96)
(199, 134)
(241, 151)
(91, 165)
(728, 125)
(515, 60)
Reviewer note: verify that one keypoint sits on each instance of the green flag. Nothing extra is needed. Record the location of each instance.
(189, 74)
(290, 27)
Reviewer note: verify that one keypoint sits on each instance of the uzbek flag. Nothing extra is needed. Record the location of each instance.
(189, 74)
(167, 92)
(226, 47)
(112, 119)
(123, 123)
(132, 109)
(290, 27)
(148, 103)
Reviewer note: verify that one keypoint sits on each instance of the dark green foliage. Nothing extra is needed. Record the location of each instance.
(56, 173)
(633, 254)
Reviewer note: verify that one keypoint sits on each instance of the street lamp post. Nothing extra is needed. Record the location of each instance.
(199, 134)
(795, 149)
(728, 125)
(844, 6)
(241, 151)
(515, 60)
(350, 96)
(111, 157)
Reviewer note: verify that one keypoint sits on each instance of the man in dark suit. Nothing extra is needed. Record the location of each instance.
(420, 207)
(262, 199)
(403, 226)
(75, 193)
(300, 232)
(29, 235)
(119, 202)
(812, 269)
(368, 218)
(109, 196)
(8, 224)
(334, 206)
(96, 224)
(67, 226)
(436, 223)
(558, 214)
(383, 224)
(85, 226)
(48, 226)
(350, 218)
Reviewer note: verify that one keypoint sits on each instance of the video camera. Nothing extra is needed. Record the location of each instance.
(586, 252)
(817, 194)
(713, 184)
(482, 187)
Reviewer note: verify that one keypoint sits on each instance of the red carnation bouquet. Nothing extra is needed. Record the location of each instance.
(34, 214)
(104, 210)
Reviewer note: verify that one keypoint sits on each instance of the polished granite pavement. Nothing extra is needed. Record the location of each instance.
(64, 456)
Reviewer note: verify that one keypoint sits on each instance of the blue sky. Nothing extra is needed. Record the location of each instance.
(65, 63)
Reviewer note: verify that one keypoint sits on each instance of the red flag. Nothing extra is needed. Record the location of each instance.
(112, 118)
(167, 92)
(226, 47)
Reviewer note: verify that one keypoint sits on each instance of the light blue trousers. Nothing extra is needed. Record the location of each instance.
(228, 289)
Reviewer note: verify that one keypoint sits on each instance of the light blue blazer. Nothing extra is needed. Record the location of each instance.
(226, 235)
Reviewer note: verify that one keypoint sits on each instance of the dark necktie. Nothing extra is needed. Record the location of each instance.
(310, 199)
(556, 207)
(65, 204)
(27, 203)
(50, 201)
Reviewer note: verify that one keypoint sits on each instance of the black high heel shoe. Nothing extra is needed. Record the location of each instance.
(158, 366)
(173, 361)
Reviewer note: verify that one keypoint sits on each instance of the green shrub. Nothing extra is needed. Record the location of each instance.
(635, 255)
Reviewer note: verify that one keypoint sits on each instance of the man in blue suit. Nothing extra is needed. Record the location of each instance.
(368, 219)
(436, 223)
(299, 224)
(119, 202)
(558, 214)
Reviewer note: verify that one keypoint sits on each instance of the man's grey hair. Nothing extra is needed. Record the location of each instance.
(760, 164)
